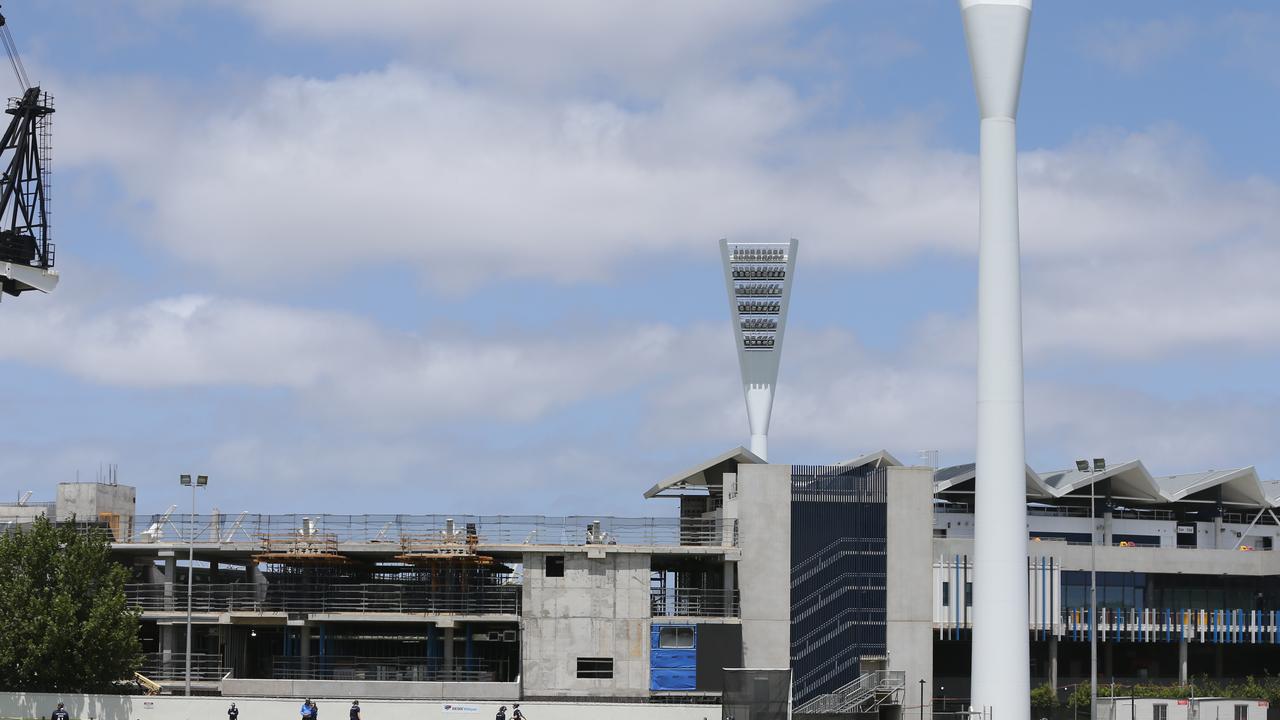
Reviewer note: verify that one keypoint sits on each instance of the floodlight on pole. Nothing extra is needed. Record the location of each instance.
(1099, 464)
(758, 279)
(200, 481)
(996, 36)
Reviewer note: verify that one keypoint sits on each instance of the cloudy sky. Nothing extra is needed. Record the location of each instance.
(416, 256)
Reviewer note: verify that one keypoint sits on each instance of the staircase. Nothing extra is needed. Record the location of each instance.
(866, 694)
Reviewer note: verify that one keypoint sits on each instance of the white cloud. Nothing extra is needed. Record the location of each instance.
(338, 364)
(1133, 46)
(626, 46)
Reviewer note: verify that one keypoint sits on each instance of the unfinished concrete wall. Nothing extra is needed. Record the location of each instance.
(598, 609)
(909, 573)
(764, 572)
(94, 502)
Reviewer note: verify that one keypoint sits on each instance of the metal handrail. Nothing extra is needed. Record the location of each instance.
(693, 602)
(402, 669)
(874, 687)
(331, 598)
(250, 529)
(205, 667)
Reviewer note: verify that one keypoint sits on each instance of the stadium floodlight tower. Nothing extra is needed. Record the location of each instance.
(758, 277)
(996, 33)
(26, 255)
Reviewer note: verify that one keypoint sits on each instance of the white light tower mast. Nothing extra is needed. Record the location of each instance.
(996, 33)
(758, 277)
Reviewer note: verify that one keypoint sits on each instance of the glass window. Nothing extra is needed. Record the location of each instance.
(946, 594)
(590, 668)
(1160, 712)
(1242, 712)
(675, 637)
(555, 566)
(968, 594)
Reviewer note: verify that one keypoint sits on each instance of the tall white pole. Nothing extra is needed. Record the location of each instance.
(1093, 603)
(191, 571)
(996, 34)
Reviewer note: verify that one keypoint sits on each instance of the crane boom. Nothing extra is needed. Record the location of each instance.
(26, 254)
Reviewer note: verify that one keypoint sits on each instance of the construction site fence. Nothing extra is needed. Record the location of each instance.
(328, 598)
(172, 667)
(228, 528)
(402, 669)
(693, 602)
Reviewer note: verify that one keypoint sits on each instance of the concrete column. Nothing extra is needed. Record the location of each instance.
(909, 585)
(448, 649)
(304, 646)
(168, 641)
(1106, 527)
(1182, 660)
(764, 535)
(170, 575)
(1217, 531)
(154, 573)
(1053, 662)
(260, 583)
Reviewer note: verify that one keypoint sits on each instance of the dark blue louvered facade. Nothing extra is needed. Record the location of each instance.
(838, 530)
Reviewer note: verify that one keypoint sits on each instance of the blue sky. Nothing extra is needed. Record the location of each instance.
(442, 257)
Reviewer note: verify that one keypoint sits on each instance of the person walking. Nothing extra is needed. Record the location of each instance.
(502, 713)
(515, 712)
(355, 710)
(305, 710)
(60, 713)
(232, 712)
(315, 710)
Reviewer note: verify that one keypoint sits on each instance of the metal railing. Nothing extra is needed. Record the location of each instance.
(692, 602)
(390, 529)
(395, 669)
(868, 691)
(363, 598)
(172, 668)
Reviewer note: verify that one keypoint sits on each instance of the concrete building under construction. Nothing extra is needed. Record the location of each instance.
(846, 574)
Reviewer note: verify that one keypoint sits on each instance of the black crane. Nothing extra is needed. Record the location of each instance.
(26, 255)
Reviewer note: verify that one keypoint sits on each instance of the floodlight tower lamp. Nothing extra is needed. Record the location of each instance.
(996, 35)
(758, 278)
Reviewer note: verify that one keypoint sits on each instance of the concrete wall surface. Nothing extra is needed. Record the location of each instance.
(599, 609)
(168, 707)
(764, 572)
(909, 573)
(505, 692)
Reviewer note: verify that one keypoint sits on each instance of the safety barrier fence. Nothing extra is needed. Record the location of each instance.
(227, 528)
(402, 669)
(693, 602)
(355, 598)
(167, 669)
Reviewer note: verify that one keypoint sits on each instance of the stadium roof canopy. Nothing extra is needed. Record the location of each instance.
(1131, 483)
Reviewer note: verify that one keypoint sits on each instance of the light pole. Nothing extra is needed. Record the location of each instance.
(1099, 465)
(200, 481)
(921, 698)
